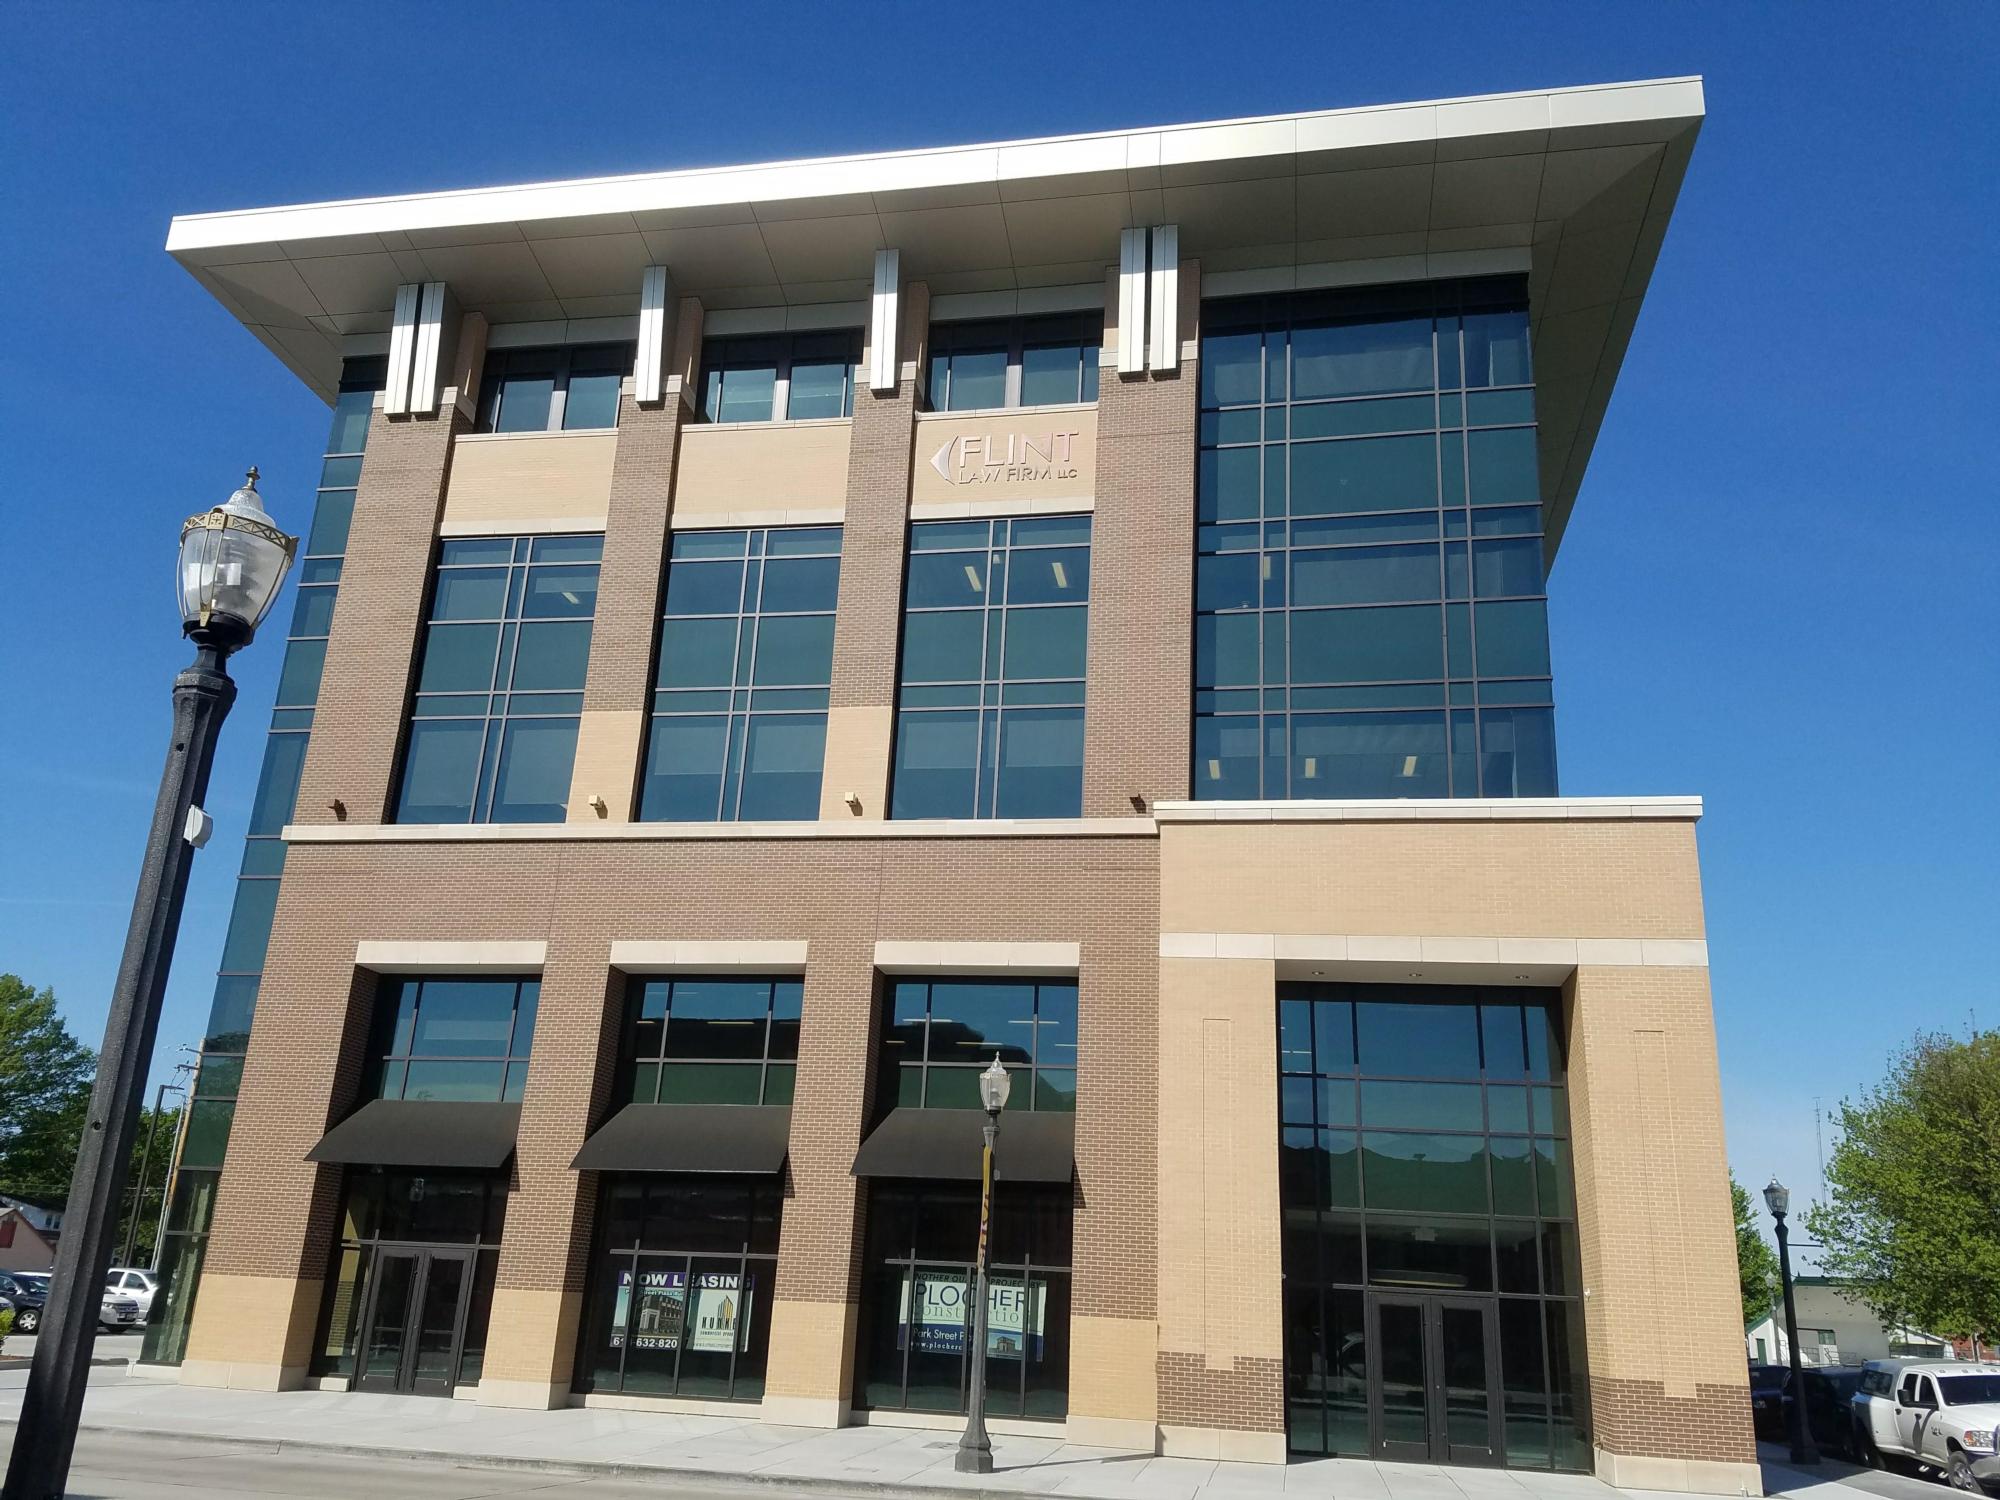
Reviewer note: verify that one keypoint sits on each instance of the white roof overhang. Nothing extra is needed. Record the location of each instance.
(1573, 186)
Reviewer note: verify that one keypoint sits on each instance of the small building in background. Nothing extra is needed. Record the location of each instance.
(1837, 1328)
(24, 1244)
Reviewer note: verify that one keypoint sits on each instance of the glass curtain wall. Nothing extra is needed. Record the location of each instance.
(212, 1107)
(681, 1286)
(738, 727)
(500, 683)
(1425, 1148)
(1371, 618)
(989, 718)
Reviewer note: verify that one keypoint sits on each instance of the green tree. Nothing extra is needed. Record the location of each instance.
(1914, 1217)
(1756, 1261)
(45, 1076)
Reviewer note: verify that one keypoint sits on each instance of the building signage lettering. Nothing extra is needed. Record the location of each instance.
(1014, 1316)
(1023, 458)
(659, 1314)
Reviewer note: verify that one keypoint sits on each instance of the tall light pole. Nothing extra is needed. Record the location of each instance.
(975, 1449)
(232, 561)
(1778, 1198)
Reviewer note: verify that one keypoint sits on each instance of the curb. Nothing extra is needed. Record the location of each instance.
(579, 1469)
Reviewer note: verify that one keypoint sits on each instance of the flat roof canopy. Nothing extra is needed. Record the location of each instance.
(1572, 186)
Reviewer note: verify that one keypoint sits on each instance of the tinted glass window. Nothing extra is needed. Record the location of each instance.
(942, 1033)
(738, 729)
(1369, 550)
(990, 713)
(570, 387)
(1041, 361)
(782, 376)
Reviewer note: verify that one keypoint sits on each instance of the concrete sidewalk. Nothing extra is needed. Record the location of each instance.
(637, 1444)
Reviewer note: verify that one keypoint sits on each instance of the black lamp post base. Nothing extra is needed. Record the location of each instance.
(972, 1461)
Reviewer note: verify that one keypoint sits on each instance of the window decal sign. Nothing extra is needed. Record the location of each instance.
(659, 1311)
(943, 1315)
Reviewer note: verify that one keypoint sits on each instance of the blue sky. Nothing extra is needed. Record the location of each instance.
(1779, 590)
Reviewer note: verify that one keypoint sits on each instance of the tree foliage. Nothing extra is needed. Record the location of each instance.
(45, 1076)
(1756, 1261)
(1914, 1217)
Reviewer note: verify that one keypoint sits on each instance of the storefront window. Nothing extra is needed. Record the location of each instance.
(681, 1287)
(461, 1039)
(918, 1299)
(943, 1032)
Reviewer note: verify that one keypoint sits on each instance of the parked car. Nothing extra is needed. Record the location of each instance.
(1768, 1384)
(1932, 1414)
(117, 1312)
(26, 1298)
(1829, 1394)
(135, 1282)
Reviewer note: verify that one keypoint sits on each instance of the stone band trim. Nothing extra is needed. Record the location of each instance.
(974, 510)
(1435, 810)
(641, 957)
(532, 833)
(747, 520)
(978, 958)
(524, 526)
(1564, 954)
(447, 958)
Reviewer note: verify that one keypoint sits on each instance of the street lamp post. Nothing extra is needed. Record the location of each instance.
(232, 561)
(1778, 1198)
(975, 1449)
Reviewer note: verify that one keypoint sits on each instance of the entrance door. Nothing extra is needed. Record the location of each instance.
(1433, 1380)
(414, 1327)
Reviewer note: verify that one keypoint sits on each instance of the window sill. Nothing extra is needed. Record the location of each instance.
(697, 425)
(558, 432)
(1004, 411)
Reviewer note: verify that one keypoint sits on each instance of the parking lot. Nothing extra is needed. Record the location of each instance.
(123, 1346)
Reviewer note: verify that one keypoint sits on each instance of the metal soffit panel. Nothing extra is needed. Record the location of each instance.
(690, 1138)
(423, 1133)
(1034, 1146)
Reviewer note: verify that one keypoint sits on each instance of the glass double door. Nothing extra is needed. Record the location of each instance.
(413, 1327)
(1434, 1391)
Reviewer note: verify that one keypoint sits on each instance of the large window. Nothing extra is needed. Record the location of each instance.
(452, 1038)
(699, 1039)
(917, 1300)
(1370, 611)
(681, 1287)
(1048, 361)
(569, 388)
(1425, 1148)
(944, 1032)
(780, 376)
(745, 665)
(500, 688)
(989, 720)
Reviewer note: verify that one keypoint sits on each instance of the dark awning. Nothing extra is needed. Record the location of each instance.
(422, 1133)
(1034, 1146)
(689, 1138)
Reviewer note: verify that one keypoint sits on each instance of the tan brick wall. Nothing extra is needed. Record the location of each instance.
(275, 1216)
(1136, 715)
(1654, 1221)
(371, 651)
(620, 675)
(868, 626)
(539, 476)
(1510, 878)
(1220, 1272)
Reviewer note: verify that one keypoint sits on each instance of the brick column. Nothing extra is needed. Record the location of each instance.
(1221, 1356)
(814, 1315)
(364, 696)
(1657, 1231)
(1137, 708)
(860, 721)
(545, 1247)
(617, 691)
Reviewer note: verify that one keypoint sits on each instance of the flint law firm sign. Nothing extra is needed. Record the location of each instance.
(1006, 455)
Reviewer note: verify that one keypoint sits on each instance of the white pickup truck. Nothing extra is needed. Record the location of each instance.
(1934, 1414)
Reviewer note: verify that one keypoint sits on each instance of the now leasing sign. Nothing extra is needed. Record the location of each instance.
(1006, 455)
